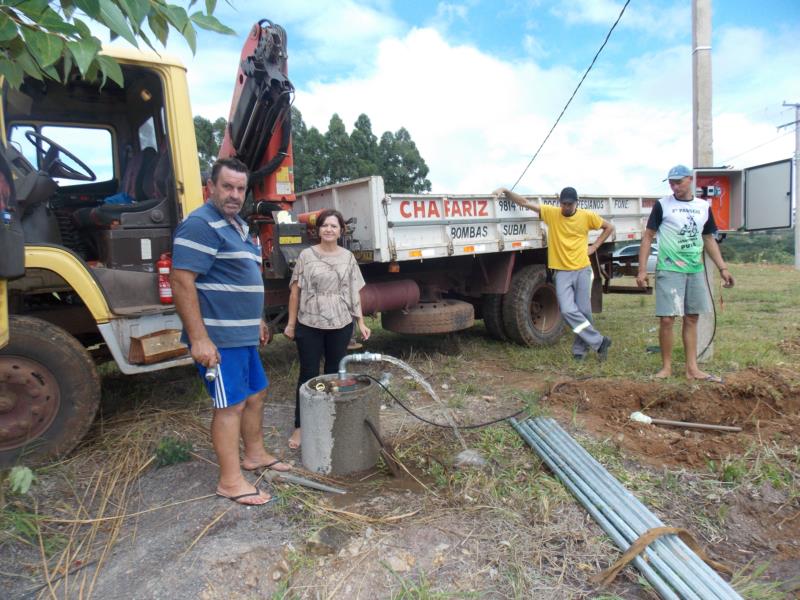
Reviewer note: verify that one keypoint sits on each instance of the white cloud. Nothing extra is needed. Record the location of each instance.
(477, 119)
(650, 19)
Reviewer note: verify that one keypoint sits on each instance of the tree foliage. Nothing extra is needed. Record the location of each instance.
(323, 159)
(209, 138)
(45, 39)
(775, 247)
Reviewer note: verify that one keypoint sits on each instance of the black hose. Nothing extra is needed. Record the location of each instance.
(443, 425)
(714, 309)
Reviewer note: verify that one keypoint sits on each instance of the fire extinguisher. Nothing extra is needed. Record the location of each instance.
(164, 265)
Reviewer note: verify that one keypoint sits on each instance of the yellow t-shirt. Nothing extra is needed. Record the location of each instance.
(568, 237)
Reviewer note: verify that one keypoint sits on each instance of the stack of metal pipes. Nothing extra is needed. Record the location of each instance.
(670, 566)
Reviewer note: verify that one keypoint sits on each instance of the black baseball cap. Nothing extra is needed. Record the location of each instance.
(568, 194)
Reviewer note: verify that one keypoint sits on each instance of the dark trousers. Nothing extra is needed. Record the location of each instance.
(312, 345)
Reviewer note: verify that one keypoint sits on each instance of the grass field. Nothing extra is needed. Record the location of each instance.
(508, 531)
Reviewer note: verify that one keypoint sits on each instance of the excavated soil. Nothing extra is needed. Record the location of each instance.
(764, 403)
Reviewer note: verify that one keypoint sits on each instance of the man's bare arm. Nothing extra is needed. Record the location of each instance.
(608, 230)
(644, 252)
(516, 199)
(710, 245)
(188, 306)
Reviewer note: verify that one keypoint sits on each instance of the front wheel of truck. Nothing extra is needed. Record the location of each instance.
(530, 308)
(49, 392)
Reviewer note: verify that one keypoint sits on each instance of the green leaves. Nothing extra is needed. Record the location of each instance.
(110, 69)
(211, 23)
(46, 49)
(8, 29)
(20, 479)
(37, 41)
(84, 52)
(112, 16)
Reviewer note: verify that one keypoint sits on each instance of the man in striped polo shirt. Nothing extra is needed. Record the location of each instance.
(219, 294)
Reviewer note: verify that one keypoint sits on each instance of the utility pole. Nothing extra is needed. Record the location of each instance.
(796, 124)
(703, 148)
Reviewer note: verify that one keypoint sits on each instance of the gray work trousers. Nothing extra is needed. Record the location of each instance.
(574, 289)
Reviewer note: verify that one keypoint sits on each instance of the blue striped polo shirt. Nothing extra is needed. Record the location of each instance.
(228, 266)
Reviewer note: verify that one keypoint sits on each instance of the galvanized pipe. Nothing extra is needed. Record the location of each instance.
(706, 576)
(666, 570)
(690, 564)
(639, 521)
(644, 568)
(359, 357)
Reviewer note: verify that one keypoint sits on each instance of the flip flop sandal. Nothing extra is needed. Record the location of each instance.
(247, 495)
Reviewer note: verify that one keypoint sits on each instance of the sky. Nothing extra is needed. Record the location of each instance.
(479, 83)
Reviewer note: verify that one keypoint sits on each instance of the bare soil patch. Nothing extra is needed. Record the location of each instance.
(765, 403)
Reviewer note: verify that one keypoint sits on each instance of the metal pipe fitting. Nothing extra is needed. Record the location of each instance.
(358, 357)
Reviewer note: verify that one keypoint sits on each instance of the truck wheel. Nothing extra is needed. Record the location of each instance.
(493, 316)
(430, 317)
(49, 392)
(530, 308)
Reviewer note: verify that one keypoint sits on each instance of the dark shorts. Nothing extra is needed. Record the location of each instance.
(679, 294)
(240, 375)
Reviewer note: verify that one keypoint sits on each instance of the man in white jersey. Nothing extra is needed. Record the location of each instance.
(685, 227)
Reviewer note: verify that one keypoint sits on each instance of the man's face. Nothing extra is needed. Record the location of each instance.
(682, 188)
(568, 208)
(228, 192)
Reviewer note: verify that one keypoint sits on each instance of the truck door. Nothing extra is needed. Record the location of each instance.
(768, 196)
(12, 250)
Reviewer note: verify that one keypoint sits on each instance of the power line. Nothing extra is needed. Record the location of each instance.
(563, 110)
(777, 137)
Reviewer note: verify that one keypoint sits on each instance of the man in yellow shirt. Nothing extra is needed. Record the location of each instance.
(568, 257)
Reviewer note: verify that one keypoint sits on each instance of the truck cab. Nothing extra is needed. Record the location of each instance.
(102, 175)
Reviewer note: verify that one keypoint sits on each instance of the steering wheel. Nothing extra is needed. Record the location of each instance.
(52, 162)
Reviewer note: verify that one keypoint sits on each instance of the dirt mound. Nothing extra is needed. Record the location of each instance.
(765, 403)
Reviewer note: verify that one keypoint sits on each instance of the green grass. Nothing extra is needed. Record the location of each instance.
(750, 583)
(420, 588)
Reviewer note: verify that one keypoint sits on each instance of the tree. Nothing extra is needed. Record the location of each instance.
(209, 138)
(45, 39)
(308, 147)
(401, 165)
(321, 160)
(365, 147)
(340, 164)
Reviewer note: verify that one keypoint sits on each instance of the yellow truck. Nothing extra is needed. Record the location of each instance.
(95, 179)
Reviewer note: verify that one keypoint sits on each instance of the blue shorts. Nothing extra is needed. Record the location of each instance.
(239, 376)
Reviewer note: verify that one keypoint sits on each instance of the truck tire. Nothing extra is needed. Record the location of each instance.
(49, 392)
(430, 317)
(530, 309)
(493, 316)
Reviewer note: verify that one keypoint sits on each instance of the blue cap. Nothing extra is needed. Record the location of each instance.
(679, 172)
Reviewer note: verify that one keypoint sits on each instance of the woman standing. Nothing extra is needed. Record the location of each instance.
(324, 299)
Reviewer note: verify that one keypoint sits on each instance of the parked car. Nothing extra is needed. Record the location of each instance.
(633, 251)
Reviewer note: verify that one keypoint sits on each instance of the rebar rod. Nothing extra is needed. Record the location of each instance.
(708, 576)
(685, 563)
(644, 568)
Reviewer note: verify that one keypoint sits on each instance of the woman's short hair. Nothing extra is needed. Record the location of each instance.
(330, 212)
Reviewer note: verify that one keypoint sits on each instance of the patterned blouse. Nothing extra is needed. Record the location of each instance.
(329, 288)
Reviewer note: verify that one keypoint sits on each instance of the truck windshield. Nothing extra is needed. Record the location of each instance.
(90, 144)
